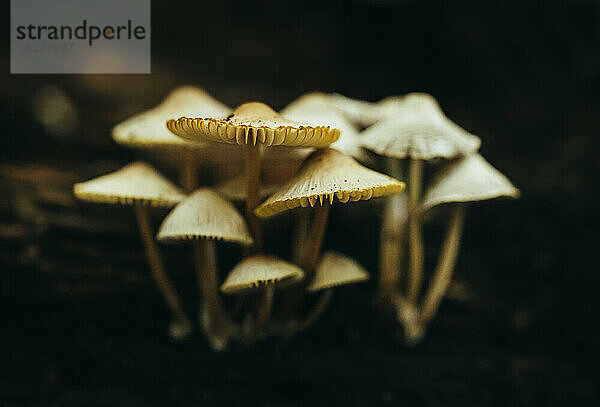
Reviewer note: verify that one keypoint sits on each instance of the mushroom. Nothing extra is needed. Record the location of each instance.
(203, 217)
(334, 269)
(469, 179)
(147, 129)
(359, 112)
(253, 124)
(317, 109)
(261, 272)
(417, 129)
(234, 189)
(325, 175)
(140, 185)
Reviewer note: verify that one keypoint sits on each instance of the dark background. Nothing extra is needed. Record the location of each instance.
(82, 325)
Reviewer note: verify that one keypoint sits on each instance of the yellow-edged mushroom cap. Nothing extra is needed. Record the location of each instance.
(326, 174)
(137, 182)
(253, 123)
(148, 129)
(205, 215)
(469, 179)
(317, 109)
(259, 271)
(418, 128)
(335, 269)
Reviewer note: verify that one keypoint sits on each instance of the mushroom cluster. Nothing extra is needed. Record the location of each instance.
(302, 162)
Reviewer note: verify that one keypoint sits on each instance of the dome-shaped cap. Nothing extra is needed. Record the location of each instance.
(359, 112)
(335, 269)
(469, 179)
(259, 271)
(137, 182)
(205, 215)
(326, 174)
(317, 109)
(418, 129)
(148, 129)
(253, 123)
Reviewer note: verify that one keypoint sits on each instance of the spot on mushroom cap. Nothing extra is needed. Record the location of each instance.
(335, 269)
(259, 271)
(137, 182)
(329, 174)
(253, 123)
(317, 109)
(205, 215)
(469, 179)
(415, 126)
(148, 129)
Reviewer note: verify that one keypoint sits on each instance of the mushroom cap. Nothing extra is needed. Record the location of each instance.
(259, 271)
(359, 112)
(235, 188)
(470, 178)
(335, 269)
(148, 129)
(418, 128)
(253, 123)
(205, 215)
(326, 174)
(137, 182)
(318, 110)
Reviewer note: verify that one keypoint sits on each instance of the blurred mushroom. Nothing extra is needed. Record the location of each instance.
(234, 189)
(253, 124)
(418, 130)
(148, 129)
(359, 112)
(140, 185)
(469, 179)
(204, 217)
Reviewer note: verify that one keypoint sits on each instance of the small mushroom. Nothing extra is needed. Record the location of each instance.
(204, 217)
(140, 185)
(234, 189)
(253, 124)
(416, 128)
(469, 179)
(147, 129)
(359, 112)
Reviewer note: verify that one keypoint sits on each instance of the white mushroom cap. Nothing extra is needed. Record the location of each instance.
(148, 128)
(418, 128)
(335, 269)
(205, 215)
(359, 112)
(259, 271)
(326, 174)
(253, 123)
(137, 182)
(470, 178)
(317, 109)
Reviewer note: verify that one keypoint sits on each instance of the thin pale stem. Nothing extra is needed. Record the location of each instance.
(189, 173)
(161, 279)
(445, 267)
(300, 236)
(390, 242)
(415, 235)
(252, 192)
(316, 236)
(266, 307)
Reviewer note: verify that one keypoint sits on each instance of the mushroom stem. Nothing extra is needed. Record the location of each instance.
(212, 316)
(264, 312)
(189, 175)
(415, 236)
(443, 272)
(300, 236)
(317, 233)
(313, 315)
(161, 279)
(390, 242)
(252, 192)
